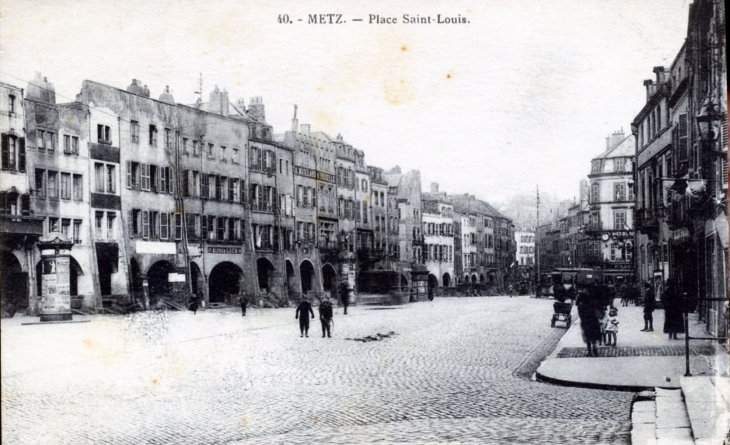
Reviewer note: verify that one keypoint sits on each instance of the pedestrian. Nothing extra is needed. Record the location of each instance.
(589, 325)
(625, 291)
(673, 305)
(612, 328)
(302, 310)
(194, 304)
(244, 303)
(344, 296)
(649, 305)
(325, 317)
(510, 290)
(430, 293)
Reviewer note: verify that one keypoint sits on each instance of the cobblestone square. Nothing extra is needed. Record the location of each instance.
(456, 371)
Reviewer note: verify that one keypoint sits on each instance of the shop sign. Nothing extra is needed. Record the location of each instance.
(225, 250)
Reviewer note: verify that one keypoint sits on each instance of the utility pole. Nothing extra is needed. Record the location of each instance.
(537, 244)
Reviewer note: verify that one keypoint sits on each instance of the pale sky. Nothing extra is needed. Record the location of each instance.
(524, 94)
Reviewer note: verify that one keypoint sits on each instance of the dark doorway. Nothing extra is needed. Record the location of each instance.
(196, 279)
(107, 258)
(291, 280)
(225, 279)
(306, 271)
(329, 279)
(158, 281)
(264, 268)
(481, 278)
(403, 282)
(14, 286)
(447, 280)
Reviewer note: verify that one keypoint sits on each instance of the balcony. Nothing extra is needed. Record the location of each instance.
(21, 225)
(647, 220)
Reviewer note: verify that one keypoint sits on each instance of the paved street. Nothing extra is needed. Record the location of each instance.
(457, 370)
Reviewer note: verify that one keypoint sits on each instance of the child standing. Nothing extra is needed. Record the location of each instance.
(612, 327)
(603, 321)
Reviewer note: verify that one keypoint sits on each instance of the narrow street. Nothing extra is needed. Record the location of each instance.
(456, 370)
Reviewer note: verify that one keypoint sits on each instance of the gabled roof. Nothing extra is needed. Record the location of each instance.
(626, 147)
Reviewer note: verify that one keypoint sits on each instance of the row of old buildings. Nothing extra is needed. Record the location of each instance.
(654, 207)
(164, 200)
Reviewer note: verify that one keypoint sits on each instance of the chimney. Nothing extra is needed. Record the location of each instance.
(218, 102)
(650, 88)
(41, 90)
(434, 187)
(256, 108)
(167, 97)
(660, 75)
(614, 139)
(295, 121)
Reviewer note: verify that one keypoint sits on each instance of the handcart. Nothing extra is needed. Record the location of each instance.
(562, 313)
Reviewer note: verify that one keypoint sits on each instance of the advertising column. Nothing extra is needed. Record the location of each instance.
(55, 304)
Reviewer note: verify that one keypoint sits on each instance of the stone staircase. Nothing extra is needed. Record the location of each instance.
(697, 413)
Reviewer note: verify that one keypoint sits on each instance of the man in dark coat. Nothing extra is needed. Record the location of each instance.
(194, 304)
(244, 303)
(325, 316)
(587, 312)
(302, 310)
(649, 305)
(673, 305)
(344, 296)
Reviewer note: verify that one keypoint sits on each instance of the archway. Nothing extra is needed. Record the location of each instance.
(74, 272)
(225, 279)
(481, 278)
(158, 281)
(474, 278)
(447, 280)
(264, 269)
(306, 271)
(329, 279)
(432, 281)
(14, 285)
(196, 279)
(291, 281)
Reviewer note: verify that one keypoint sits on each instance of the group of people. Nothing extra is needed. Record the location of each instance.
(673, 300)
(304, 310)
(599, 318)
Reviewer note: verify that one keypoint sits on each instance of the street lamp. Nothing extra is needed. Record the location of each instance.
(707, 119)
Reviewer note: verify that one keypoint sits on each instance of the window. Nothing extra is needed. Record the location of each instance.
(70, 145)
(196, 148)
(223, 154)
(232, 185)
(234, 155)
(164, 225)
(65, 186)
(619, 220)
(13, 153)
(53, 225)
(619, 192)
(111, 218)
(595, 195)
(134, 132)
(168, 138)
(235, 190)
(11, 100)
(77, 231)
(153, 135)
(77, 188)
(99, 225)
(154, 226)
(619, 165)
(106, 181)
(178, 226)
(185, 143)
(210, 150)
(103, 134)
(52, 184)
(596, 166)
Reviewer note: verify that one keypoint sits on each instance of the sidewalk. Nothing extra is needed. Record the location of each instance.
(642, 360)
